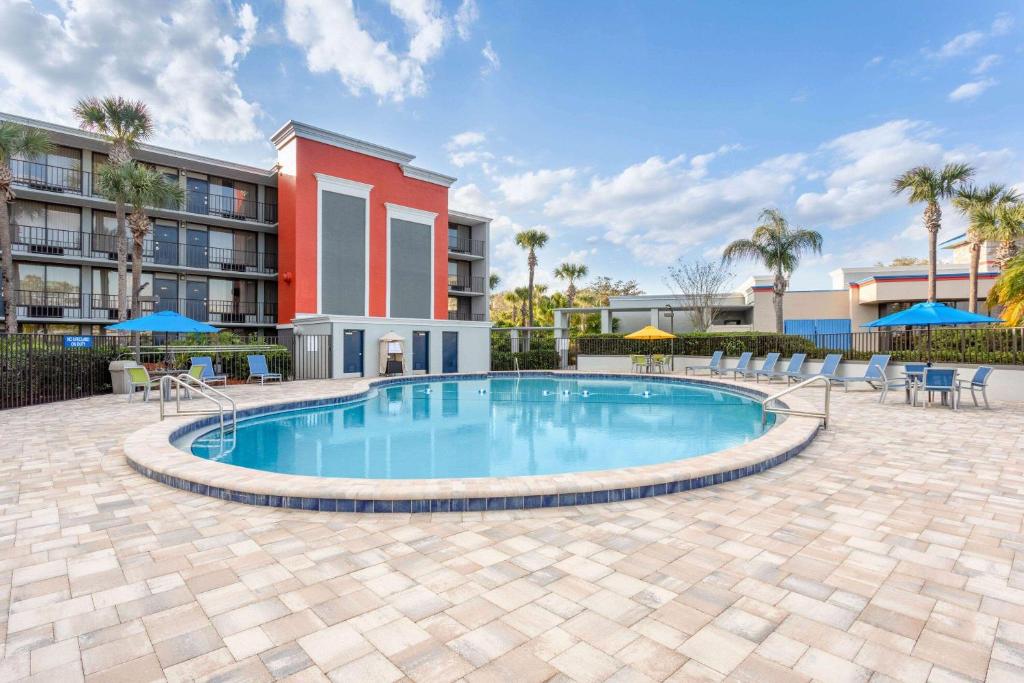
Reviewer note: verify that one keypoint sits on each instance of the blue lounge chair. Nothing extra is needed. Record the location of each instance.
(940, 381)
(767, 368)
(979, 382)
(258, 370)
(741, 368)
(712, 367)
(828, 369)
(874, 375)
(795, 363)
(209, 376)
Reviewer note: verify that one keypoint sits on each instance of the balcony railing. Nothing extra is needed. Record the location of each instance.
(27, 239)
(464, 245)
(465, 283)
(33, 305)
(74, 181)
(465, 316)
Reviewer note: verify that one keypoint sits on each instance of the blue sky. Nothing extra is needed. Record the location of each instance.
(635, 135)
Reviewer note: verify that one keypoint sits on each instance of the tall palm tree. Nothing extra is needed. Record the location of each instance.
(521, 296)
(1005, 224)
(779, 248)
(493, 280)
(140, 187)
(15, 140)
(1008, 292)
(531, 240)
(980, 204)
(571, 272)
(930, 186)
(124, 123)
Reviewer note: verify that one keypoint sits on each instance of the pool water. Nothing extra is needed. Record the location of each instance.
(495, 427)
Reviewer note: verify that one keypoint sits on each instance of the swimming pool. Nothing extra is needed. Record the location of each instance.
(491, 427)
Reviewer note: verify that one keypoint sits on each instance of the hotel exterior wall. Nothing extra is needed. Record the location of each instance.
(915, 288)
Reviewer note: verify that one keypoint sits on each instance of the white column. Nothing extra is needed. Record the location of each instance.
(606, 320)
(654, 317)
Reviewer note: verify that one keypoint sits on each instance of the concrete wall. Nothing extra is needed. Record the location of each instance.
(1006, 383)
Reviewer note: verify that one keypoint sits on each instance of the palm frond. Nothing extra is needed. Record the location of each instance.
(19, 140)
(531, 238)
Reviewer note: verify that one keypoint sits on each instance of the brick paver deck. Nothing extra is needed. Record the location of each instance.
(891, 549)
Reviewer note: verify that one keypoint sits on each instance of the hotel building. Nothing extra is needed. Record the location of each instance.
(341, 237)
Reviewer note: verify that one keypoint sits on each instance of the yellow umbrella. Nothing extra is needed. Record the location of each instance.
(650, 332)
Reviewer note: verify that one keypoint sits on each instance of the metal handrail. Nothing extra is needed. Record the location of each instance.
(183, 382)
(515, 361)
(824, 415)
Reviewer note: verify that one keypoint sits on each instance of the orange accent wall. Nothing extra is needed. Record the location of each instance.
(297, 206)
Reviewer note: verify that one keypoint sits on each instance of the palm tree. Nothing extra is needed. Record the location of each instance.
(1008, 292)
(531, 240)
(124, 123)
(571, 272)
(140, 187)
(980, 204)
(1006, 225)
(493, 280)
(779, 248)
(930, 186)
(15, 140)
(521, 296)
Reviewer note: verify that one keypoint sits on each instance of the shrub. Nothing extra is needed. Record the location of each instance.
(535, 359)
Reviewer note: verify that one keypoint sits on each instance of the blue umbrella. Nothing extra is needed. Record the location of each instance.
(929, 313)
(164, 321)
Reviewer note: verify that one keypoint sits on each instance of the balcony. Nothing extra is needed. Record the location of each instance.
(467, 247)
(73, 181)
(28, 239)
(466, 316)
(33, 305)
(464, 284)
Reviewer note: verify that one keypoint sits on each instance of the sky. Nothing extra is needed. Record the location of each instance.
(633, 133)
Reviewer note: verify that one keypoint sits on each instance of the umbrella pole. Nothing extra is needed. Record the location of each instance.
(929, 345)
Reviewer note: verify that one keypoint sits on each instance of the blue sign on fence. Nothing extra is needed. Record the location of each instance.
(76, 342)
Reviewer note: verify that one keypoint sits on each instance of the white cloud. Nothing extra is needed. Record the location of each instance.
(469, 138)
(986, 63)
(493, 62)
(875, 61)
(180, 59)
(464, 149)
(534, 186)
(971, 89)
(465, 17)
(1002, 24)
(960, 44)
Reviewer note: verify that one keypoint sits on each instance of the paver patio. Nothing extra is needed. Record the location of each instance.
(891, 549)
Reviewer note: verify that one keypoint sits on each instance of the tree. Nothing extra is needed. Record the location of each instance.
(981, 205)
(124, 123)
(1005, 224)
(929, 186)
(903, 261)
(522, 297)
(531, 240)
(493, 280)
(1008, 292)
(603, 287)
(15, 140)
(779, 248)
(698, 288)
(571, 272)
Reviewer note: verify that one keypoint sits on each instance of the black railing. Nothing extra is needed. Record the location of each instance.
(36, 305)
(75, 181)
(465, 316)
(464, 245)
(464, 283)
(50, 241)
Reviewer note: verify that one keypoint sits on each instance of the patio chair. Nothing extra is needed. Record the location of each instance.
(258, 369)
(828, 369)
(658, 362)
(979, 382)
(209, 376)
(195, 372)
(637, 363)
(940, 381)
(712, 367)
(139, 377)
(796, 362)
(874, 375)
(912, 375)
(767, 368)
(741, 368)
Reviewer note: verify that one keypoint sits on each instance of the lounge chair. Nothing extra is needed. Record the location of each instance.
(209, 376)
(874, 375)
(712, 367)
(796, 362)
(195, 372)
(828, 369)
(940, 381)
(979, 382)
(139, 378)
(767, 368)
(741, 368)
(258, 369)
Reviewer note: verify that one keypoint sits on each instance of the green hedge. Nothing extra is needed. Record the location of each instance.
(696, 344)
(535, 359)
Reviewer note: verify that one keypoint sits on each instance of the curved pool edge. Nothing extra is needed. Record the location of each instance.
(150, 452)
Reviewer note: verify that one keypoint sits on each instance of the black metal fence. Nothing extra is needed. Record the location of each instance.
(37, 368)
(990, 345)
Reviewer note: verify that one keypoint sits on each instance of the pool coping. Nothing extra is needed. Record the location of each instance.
(150, 452)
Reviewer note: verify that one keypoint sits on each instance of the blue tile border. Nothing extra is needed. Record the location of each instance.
(416, 505)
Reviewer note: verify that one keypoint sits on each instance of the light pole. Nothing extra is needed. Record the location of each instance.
(672, 330)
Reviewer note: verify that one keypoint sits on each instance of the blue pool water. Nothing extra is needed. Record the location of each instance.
(492, 428)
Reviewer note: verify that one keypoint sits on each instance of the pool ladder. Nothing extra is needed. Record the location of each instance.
(225, 404)
(823, 415)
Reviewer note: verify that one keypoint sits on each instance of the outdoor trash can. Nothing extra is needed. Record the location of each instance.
(119, 375)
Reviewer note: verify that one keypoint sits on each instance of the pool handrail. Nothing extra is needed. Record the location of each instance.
(189, 382)
(823, 415)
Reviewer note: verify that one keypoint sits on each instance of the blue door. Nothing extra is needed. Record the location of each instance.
(198, 249)
(449, 352)
(165, 244)
(421, 351)
(353, 352)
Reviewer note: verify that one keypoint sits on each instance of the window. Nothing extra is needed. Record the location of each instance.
(58, 170)
(104, 284)
(104, 232)
(46, 228)
(43, 287)
(232, 198)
